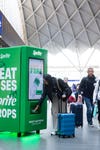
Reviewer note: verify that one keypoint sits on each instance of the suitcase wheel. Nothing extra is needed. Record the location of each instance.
(59, 135)
(63, 136)
(68, 136)
(73, 135)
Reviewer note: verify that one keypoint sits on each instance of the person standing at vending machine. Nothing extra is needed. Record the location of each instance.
(57, 91)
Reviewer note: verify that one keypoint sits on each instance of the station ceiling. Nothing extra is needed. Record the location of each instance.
(62, 24)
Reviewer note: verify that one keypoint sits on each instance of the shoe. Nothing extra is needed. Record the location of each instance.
(54, 133)
(90, 125)
(99, 125)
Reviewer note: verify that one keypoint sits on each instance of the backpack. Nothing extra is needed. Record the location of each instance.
(67, 90)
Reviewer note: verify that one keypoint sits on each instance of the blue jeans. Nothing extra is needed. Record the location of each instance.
(90, 107)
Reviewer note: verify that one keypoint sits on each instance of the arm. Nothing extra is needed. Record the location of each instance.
(43, 96)
(66, 90)
(95, 92)
(82, 86)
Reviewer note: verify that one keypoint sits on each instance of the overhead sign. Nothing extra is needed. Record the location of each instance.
(0, 24)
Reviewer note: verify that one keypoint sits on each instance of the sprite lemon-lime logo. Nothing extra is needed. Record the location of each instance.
(2, 56)
(38, 53)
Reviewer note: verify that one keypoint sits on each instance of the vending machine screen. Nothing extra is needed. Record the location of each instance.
(35, 78)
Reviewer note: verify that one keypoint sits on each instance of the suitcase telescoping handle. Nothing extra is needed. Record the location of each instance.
(60, 106)
(60, 100)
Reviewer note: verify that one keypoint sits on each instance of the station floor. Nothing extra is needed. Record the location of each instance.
(86, 138)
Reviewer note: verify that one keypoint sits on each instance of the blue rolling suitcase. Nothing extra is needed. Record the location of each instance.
(77, 109)
(66, 125)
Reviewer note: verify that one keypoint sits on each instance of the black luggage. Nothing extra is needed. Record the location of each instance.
(77, 109)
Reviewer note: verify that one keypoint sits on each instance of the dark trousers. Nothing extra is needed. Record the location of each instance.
(98, 110)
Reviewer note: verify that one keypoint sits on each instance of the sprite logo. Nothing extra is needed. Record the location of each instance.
(38, 53)
(2, 56)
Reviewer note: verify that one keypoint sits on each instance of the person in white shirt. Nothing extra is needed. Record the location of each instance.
(96, 98)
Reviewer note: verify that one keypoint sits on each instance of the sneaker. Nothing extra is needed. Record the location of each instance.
(99, 126)
(54, 133)
(90, 125)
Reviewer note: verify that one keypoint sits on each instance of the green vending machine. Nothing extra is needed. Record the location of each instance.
(21, 86)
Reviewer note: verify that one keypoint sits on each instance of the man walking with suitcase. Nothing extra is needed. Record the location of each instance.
(86, 89)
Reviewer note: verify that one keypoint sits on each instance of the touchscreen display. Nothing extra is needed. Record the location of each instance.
(35, 78)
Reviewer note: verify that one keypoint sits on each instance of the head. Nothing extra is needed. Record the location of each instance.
(47, 79)
(90, 72)
(65, 79)
(49, 85)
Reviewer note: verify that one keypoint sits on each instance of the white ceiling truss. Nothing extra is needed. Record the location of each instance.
(67, 24)
(64, 22)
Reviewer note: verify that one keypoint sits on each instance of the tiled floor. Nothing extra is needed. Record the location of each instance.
(86, 138)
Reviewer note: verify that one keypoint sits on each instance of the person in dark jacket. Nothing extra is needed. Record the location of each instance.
(56, 90)
(86, 89)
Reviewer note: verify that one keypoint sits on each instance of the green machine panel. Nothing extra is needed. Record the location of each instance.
(21, 86)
